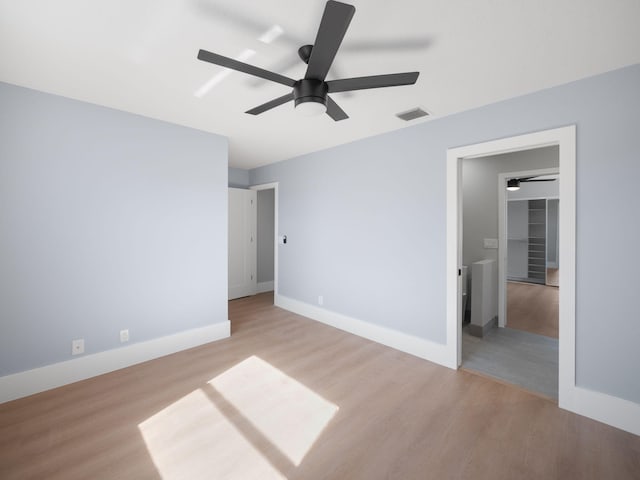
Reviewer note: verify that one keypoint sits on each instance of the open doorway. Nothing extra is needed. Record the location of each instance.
(564, 138)
(529, 229)
(497, 190)
(267, 239)
(252, 250)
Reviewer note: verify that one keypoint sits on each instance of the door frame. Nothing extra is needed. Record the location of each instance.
(502, 234)
(274, 186)
(565, 138)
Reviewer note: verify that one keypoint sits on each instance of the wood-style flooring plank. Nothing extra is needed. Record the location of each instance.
(533, 308)
(230, 410)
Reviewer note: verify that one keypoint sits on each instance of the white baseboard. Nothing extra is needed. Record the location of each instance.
(40, 379)
(614, 411)
(608, 409)
(419, 347)
(264, 287)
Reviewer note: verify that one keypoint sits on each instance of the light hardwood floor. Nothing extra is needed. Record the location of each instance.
(533, 308)
(286, 397)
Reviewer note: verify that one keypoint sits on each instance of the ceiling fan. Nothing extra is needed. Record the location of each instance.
(513, 184)
(310, 94)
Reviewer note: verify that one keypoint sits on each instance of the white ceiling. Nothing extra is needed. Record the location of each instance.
(140, 56)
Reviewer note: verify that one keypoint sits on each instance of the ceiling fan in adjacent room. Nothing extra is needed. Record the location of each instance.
(310, 94)
(513, 184)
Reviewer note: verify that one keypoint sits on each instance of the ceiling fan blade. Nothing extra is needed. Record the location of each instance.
(333, 26)
(334, 111)
(286, 64)
(374, 81)
(541, 180)
(269, 105)
(233, 64)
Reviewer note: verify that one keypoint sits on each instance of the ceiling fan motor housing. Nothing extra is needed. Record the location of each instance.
(310, 90)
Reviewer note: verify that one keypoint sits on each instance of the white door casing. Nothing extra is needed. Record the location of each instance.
(565, 137)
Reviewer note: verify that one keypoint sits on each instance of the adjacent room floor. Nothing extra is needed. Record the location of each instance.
(287, 397)
(525, 353)
(514, 356)
(533, 308)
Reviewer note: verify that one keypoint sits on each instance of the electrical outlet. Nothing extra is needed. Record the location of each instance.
(320, 300)
(124, 336)
(77, 346)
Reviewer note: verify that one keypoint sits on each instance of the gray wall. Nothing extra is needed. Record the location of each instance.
(109, 221)
(480, 196)
(265, 235)
(366, 221)
(238, 178)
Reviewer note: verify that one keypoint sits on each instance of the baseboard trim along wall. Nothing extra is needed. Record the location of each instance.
(608, 409)
(481, 330)
(264, 287)
(44, 378)
(614, 411)
(418, 347)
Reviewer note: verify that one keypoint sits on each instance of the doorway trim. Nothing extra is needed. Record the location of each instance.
(502, 234)
(565, 138)
(274, 186)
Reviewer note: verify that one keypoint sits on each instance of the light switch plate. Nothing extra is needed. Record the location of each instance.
(490, 243)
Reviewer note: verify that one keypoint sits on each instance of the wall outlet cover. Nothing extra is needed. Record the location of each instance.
(124, 336)
(77, 346)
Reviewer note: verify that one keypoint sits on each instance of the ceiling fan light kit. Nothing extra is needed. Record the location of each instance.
(311, 108)
(513, 184)
(310, 94)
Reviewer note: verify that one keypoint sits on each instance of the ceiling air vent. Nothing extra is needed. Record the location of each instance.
(412, 114)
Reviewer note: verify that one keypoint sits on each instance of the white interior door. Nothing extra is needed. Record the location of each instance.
(242, 243)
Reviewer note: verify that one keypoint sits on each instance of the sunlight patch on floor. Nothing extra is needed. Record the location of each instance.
(193, 439)
(284, 411)
(251, 421)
